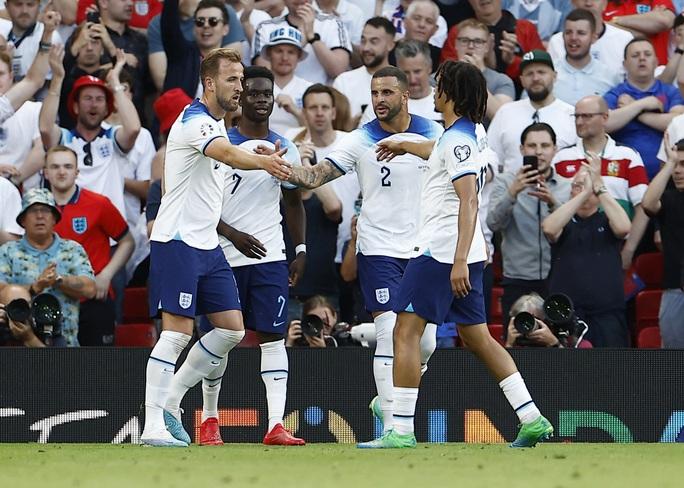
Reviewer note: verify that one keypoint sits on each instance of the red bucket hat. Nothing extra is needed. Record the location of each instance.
(168, 107)
(83, 82)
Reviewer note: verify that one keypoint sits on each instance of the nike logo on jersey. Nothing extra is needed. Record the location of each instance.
(278, 324)
(215, 363)
(217, 165)
(388, 364)
(281, 378)
(167, 370)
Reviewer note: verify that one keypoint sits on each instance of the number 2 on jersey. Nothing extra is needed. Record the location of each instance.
(237, 179)
(386, 174)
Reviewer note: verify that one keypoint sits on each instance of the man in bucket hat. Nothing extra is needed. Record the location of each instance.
(43, 262)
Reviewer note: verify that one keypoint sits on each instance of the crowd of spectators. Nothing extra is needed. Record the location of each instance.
(585, 122)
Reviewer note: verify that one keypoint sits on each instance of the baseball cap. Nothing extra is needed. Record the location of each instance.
(536, 56)
(168, 106)
(40, 196)
(83, 82)
(284, 35)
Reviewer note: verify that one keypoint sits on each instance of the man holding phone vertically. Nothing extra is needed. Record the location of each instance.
(518, 204)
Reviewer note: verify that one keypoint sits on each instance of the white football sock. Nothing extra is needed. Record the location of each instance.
(382, 364)
(404, 409)
(428, 344)
(204, 357)
(211, 387)
(517, 395)
(160, 368)
(274, 371)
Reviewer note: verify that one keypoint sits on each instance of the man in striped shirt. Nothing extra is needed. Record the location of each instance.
(622, 169)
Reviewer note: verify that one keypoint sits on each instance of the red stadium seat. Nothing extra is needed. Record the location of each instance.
(497, 268)
(135, 307)
(495, 310)
(647, 307)
(135, 335)
(649, 338)
(496, 330)
(649, 267)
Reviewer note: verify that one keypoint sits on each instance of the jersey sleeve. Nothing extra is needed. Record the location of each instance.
(291, 156)
(638, 179)
(334, 34)
(459, 151)
(348, 151)
(200, 130)
(112, 222)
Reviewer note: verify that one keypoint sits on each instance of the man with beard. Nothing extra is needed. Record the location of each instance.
(377, 40)
(537, 77)
(101, 152)
(389, 216)
(251, 236)
(579, 74)
(189, 274)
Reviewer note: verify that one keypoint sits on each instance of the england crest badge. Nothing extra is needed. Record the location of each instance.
(382, 295)
(185, 300)
(79, 224)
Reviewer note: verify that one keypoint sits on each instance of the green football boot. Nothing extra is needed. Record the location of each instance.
(390, 440)
(374, 406)
(537, 431)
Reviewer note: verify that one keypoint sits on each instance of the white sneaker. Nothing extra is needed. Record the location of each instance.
(160, 438)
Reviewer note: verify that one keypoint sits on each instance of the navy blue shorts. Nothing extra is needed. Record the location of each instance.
(426, 291)
(263, 290)
(379, 279)
(187, 281)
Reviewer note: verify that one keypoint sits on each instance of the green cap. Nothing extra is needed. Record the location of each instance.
(536, 56)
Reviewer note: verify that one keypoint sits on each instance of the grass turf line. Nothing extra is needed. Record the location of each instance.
(337, 465)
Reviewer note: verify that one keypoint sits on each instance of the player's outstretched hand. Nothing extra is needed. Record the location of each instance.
(387, 150)
(460, 279)
(248, 245)
(267, 151)
(277, 166)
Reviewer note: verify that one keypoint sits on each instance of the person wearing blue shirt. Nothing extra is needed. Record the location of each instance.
(642, 107)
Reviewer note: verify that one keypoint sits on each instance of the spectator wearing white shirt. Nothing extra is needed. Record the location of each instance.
(578, 73)
(351, 16)
(284, 52)
(324, 39)
(377, 41)
(250, 17)
(10, 202)
(610, 46)
(537, 78)
(25, 33)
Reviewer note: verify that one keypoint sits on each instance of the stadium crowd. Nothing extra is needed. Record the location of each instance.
(584, 121)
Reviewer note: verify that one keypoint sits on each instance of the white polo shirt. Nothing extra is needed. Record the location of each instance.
(512, 118)
(609, 49)
(17, 134)
(25, 47)
(594, 79)
(281, 120)
(355, 85)
(333, 34)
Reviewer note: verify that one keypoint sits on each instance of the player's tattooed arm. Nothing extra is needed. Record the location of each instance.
(314, 176)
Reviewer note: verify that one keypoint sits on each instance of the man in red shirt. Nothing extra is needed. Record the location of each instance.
(90, 219)
(651, 19)
(512, 38)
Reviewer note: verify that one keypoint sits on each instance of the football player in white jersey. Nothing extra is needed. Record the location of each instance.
(444, 280)
(189, 274)
(389, 216)
(252, 240)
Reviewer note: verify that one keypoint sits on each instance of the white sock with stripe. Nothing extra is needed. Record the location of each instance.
(211, 387)
(382, 364)
(274, 373)
(404, 409)
(204, 357)
(520, 399)
(160, 369)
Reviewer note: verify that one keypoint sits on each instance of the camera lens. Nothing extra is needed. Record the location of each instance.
(46, 309)
(524, 323)
(18, 310)
(559, 308)
(312, 325)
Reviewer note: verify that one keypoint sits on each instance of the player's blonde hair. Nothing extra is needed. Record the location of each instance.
(210, 64)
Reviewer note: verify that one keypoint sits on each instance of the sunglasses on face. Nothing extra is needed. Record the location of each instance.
(88, 159)
(212, 21)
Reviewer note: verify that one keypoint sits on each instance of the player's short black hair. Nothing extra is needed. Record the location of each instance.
(582, 14)
(382, 23)
(538, 127)
(393, 72)
(465, 86)
(258, 72)
(318, 88)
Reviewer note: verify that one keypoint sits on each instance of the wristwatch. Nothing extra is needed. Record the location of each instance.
(316, 37)
(600, 190)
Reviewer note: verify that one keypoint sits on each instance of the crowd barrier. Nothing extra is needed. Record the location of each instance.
(96, 395)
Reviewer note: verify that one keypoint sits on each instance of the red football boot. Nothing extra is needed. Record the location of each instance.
(280, 436)
(210, 433)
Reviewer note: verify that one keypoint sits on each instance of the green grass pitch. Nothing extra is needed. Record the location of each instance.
(338, 465)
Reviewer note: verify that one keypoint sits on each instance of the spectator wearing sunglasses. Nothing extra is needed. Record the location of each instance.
(101, 150)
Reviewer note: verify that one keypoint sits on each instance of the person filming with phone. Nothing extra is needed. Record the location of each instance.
(518, 204)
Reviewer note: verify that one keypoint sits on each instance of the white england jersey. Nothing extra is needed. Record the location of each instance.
(391, 190)
(455, 155)
(251, 202)
(191, 207)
